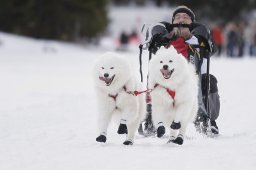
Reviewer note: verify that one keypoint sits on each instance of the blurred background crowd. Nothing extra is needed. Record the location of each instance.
(233, 23)
(235, 39)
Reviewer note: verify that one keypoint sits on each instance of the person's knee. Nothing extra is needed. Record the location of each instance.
(213, 84)
(214, 99)
(214, 105)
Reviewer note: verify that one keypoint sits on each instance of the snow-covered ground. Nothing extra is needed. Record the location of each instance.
(48, 115)
(48, 111)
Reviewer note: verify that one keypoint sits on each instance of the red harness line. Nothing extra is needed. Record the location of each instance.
(136, 93)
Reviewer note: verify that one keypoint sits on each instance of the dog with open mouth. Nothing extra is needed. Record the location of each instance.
(173, 81)
(108, 80)
(165, 72)
(115, 87)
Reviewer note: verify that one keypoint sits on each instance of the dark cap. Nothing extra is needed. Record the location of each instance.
(184, 9)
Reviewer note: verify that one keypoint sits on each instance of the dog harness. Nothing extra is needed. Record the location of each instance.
(170, 91)
(134, 93)
(113, 96)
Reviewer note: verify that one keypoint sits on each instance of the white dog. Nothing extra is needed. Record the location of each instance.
(115, 87)
(174, 93)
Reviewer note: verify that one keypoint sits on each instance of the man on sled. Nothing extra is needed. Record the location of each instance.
(193, 41)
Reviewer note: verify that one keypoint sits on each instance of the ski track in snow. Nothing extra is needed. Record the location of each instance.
(48, 115)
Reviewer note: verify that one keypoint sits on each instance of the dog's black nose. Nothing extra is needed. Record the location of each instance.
(106, 75)
(165, 67)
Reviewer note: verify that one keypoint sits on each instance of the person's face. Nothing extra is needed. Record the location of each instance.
(182, 18)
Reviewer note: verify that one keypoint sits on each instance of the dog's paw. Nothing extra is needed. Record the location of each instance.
(122, 129)
(160, 131)
(178, 140)
(128, 142)
(175, 126)
(101, 138)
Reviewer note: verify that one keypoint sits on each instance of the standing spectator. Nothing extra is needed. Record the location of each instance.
(252, 40)
(232, 40)
(134, 38)
(240, 38)
(253, 46)
(218, 38)
(124, 40)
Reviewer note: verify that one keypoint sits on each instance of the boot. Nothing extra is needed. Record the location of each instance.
(214, 127)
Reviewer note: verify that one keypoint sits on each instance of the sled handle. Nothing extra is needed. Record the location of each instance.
(140, 59)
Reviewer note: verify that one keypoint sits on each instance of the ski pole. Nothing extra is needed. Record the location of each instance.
(207, 86)
(140, 58)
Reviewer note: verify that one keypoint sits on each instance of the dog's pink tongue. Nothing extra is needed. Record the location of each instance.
(102, 78)
(165, 72)
(107, 80)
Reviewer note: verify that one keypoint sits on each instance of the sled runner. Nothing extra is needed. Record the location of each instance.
(160, 35)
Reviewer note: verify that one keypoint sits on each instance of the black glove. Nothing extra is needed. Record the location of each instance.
(159, 40)
(155, 43)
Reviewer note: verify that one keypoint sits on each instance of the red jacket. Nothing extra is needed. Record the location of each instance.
(181, 46)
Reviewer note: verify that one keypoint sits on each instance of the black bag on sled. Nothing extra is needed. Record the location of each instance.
(214, 98)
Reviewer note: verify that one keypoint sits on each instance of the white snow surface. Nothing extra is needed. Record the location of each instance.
(48, 115)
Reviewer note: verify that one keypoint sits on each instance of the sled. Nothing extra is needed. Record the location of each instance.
(202, 125)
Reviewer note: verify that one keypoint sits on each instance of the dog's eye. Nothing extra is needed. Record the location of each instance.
(111, 67)
(102, 68)
(170, 61)
(161, 61)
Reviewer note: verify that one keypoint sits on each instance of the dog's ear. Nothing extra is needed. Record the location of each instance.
(171, 47)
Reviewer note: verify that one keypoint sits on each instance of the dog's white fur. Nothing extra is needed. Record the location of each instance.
(183, 81)
(130, 107)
